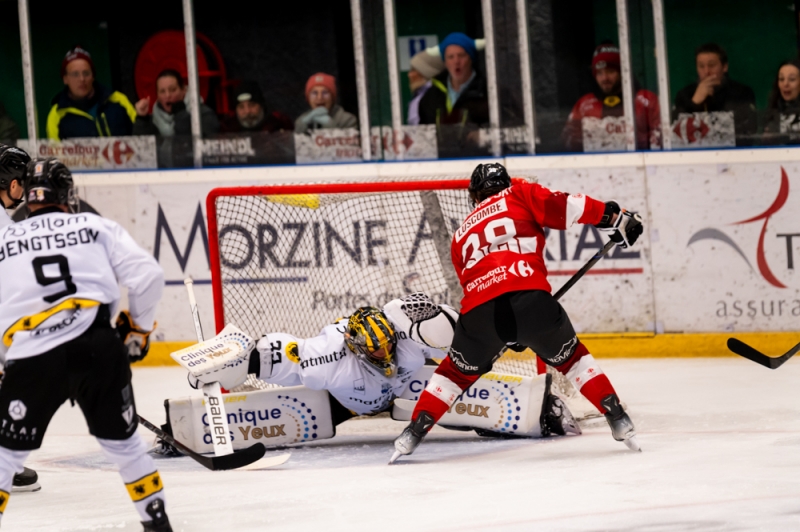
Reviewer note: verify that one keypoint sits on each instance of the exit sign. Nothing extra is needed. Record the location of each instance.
(411, 45)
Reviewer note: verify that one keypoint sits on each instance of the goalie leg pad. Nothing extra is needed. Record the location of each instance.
(274, 417)
(496, 402)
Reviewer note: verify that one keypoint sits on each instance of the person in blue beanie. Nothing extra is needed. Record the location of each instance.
(458, 96)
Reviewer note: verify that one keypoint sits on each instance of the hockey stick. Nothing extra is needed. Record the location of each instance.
(744, 350)
(215, 408)
(586, 267)
(215, 411)
(237, 460)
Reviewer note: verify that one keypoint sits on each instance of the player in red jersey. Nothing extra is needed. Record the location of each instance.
(498, 253)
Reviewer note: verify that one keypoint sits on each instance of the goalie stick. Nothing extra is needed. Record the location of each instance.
(215, 410)
(242, 459)
(215, 407)
(744, 350)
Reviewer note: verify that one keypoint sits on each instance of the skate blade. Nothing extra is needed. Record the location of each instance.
(30, 487)
(395, 456)
(632, 444)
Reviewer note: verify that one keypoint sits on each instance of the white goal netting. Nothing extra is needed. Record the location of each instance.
(294, 262)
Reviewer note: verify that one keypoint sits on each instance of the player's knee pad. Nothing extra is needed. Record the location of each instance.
(130, 455)
(466, 364)
(563, 356)
(448, 382)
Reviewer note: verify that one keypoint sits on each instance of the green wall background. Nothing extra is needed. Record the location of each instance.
(756, 35)
(50, 41)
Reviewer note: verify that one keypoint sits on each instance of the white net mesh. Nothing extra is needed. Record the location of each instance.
(293, 263)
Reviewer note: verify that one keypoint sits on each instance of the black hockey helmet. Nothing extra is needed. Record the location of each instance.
(49, 181)
(13, 164)
(487, 180)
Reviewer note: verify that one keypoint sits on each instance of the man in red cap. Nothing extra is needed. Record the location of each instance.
(606, 100)
(325, 113)
(85, 108)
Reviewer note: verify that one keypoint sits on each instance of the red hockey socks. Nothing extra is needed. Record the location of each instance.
(446, 384)
(587, 377)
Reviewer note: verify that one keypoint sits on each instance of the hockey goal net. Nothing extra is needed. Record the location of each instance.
(293, 258)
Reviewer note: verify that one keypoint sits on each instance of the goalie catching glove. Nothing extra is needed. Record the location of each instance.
(136, 340)
(626, 229)
(221, 359)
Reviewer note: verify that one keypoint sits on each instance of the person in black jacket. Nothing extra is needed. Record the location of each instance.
(457, 102)
(85, 108)
(715, 91)
(783, 107)
(170, 117)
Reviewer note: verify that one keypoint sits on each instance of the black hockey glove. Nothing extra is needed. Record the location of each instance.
(136, 340)
(626, 229)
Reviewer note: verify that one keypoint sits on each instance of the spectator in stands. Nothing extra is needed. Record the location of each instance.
(251, 112)
(606, 100)
(325, 113)
(783, 106)
(8, 128)
(170, 115)
(85, 108)
(458, 95)
(425, 65)
(715, 91)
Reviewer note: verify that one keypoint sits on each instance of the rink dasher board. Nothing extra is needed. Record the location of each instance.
(672, 286)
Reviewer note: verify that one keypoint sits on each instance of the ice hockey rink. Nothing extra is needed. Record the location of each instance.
(720, 439)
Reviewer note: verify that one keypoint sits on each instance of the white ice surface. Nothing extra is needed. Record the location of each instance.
(721, 441)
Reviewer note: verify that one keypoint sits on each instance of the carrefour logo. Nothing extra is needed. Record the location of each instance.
(712, 233)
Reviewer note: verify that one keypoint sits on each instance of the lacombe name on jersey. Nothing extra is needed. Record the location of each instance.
(21, 240)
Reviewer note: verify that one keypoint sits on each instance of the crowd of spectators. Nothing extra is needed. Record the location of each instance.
(448, 90)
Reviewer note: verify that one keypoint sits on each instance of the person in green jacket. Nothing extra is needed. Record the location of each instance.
(85, 108)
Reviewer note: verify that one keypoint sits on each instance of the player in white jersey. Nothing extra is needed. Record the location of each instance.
(59, 289)
(13, 164)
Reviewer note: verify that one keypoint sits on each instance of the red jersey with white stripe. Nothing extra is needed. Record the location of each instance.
(499, 247)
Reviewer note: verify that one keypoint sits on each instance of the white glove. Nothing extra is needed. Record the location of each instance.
(626, 229)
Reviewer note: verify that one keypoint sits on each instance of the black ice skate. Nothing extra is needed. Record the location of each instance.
(412, 435)
(159, 521)
(622, 428)
(556, 419)
(28, 480)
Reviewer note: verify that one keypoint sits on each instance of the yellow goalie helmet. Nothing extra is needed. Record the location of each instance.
(371, 336)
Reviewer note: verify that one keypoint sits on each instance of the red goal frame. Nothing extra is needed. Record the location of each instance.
(317, 188)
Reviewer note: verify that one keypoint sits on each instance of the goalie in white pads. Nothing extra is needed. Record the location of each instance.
(369, 359)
